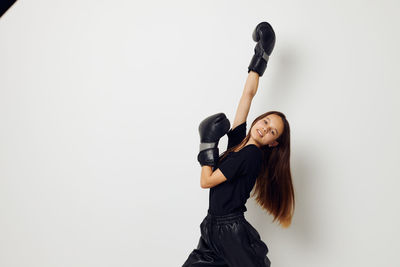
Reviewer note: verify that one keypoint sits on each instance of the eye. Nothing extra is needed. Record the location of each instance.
(266, 121)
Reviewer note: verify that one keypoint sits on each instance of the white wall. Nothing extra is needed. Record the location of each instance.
(100, 103)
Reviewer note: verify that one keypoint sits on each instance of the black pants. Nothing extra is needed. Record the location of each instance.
(228, 240)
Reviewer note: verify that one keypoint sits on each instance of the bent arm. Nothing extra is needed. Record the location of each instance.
(249, 91)
(209, 178)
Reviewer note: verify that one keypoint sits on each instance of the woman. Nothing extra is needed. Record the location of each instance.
(259, 160)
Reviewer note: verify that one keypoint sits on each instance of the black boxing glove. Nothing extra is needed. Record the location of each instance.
(211, 130)
(264, 35)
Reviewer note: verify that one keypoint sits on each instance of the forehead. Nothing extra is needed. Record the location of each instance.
(275, 120)
(273, 117)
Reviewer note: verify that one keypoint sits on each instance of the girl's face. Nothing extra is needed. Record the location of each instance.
(267, 130)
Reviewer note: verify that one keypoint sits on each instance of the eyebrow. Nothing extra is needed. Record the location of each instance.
(274, 128)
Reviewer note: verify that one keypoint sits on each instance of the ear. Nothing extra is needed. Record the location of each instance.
(273, 144)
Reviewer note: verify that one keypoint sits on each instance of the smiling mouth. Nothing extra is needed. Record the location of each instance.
(259, 132)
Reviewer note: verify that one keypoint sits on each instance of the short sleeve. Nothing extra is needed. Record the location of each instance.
(236, 135)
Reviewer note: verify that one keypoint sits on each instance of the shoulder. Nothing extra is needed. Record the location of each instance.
(237, 131)
(237, 128)
(236, 134)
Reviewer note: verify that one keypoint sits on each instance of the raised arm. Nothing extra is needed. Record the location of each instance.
(264, 35)
(249, 91)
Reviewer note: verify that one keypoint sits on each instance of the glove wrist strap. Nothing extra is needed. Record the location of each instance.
(265, 56)
(204, 146)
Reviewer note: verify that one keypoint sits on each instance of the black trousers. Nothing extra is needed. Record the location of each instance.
(228, 240)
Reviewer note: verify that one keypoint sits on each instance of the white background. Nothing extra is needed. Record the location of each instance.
(100, 103)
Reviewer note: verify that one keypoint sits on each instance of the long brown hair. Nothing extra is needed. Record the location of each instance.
(274, 188)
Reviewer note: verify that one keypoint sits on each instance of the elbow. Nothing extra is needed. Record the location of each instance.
(204, 186)
(206, 171)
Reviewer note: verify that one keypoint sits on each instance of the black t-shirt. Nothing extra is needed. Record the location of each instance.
(241, 169)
